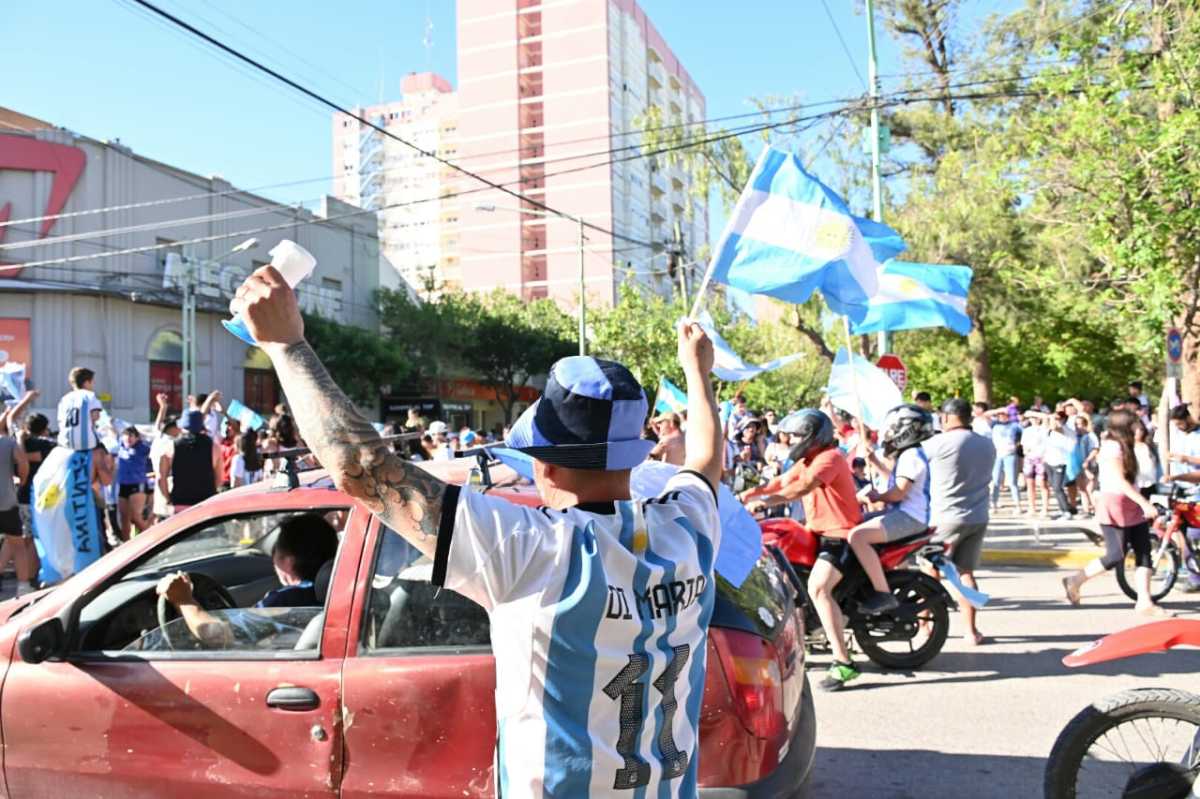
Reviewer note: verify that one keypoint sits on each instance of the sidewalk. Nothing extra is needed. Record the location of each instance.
(1020, 540)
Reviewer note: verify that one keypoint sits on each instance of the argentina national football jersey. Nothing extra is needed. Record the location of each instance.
(599, 622)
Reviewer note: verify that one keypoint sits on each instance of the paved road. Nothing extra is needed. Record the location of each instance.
(979, 722)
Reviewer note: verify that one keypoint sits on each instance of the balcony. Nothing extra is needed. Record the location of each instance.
(529, 54)
(530, 116)
(529, 25)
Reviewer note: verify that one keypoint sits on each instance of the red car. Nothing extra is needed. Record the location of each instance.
(386, 690)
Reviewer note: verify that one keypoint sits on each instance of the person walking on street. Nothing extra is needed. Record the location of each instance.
(1124, 515)
(133, 466)
(1060, 445)
(195, 466)
(1033, 444)
(1005, 435)
(246, 466)
(37, 445)
(161, 452)
(560, 583)
(821, 479)
(14, 470)
(960, 469)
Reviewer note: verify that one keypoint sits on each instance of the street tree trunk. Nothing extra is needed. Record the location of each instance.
(981, 365)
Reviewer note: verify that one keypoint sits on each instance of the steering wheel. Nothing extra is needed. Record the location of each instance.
(209, 594)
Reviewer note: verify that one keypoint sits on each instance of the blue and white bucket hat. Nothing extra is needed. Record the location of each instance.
(590, 416)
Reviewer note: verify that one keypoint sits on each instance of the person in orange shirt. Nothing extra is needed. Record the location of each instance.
(821, 478)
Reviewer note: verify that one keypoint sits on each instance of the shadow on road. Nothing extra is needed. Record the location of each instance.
(923, 774)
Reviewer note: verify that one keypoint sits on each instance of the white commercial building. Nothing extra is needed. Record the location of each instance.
(118, 313)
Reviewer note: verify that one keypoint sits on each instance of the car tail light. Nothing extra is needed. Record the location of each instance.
(751, 667)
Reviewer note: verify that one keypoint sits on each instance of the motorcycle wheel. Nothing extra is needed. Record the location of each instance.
(1085, 761)
(917, 633)
(1162, 579)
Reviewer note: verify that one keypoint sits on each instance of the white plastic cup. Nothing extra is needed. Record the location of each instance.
(294, 263)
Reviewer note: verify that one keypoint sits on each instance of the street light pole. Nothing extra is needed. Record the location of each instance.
(188, 320)
(885, 338)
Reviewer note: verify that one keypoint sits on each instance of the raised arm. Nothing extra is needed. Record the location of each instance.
(161, 418)
(403, 495)
(705, 446)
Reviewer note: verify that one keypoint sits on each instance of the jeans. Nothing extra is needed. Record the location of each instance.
(1006, 464)
(1058, 481)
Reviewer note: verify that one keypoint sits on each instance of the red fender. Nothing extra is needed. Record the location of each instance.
(1157, 636)
(798, 544)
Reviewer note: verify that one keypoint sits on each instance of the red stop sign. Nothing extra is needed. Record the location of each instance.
(895, 369)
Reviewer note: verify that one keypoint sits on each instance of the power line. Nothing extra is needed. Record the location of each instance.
(858, 108)
(845, 47)
(291, 206)
(338, 107)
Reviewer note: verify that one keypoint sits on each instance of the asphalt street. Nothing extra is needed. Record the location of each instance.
(979, 722)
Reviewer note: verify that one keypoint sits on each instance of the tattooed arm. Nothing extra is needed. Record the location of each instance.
(404, 496)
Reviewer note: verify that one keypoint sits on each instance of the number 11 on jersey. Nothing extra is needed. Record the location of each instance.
(629, 688)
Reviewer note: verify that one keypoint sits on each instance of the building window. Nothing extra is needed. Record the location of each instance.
(331, 283)
(166, 246)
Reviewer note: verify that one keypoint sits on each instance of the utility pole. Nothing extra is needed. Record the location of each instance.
(188, 323)
(582, 295)
(885, 338)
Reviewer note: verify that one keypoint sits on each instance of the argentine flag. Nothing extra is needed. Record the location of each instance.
(727, 364)
(790, 235)
(670, 399)
(918, 295)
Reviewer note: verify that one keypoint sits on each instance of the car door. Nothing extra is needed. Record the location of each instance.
(210, 723)
(418, 683)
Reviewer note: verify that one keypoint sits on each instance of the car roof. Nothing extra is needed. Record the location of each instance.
(507, 483)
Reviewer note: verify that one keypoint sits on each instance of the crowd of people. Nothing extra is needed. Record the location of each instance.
(948, 469)
(857, 488)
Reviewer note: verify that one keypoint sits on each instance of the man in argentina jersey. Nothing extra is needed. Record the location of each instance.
(599, 605)
(599, 608)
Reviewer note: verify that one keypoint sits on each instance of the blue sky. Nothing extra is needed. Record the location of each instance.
(107, 70)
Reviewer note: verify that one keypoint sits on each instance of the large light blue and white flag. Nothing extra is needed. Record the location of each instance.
(670, 398)
(862, 389)
(790, 235)
(727, 364)
(918, 295)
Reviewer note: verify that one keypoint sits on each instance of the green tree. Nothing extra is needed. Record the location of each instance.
(505, 340)
(359, 361)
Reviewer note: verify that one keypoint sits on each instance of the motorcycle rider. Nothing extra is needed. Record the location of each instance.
(904, 428)
(821, 478)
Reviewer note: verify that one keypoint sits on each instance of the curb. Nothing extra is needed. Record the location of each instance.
(1071, 558)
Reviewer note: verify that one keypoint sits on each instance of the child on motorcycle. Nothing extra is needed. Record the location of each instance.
(821, 479)
(907, 497)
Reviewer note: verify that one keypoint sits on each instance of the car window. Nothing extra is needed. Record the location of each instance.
(405, 611)
(235, 582)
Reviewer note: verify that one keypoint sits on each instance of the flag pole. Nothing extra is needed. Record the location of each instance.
(854, 380)
(712, 263)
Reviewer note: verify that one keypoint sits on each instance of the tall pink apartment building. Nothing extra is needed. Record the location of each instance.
(550, 96)
(558, 84)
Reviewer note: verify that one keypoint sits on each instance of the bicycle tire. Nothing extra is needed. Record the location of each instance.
(1168, 582)
(1073, 743)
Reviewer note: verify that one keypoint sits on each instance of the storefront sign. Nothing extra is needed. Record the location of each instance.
(34, 155)
(218, 282)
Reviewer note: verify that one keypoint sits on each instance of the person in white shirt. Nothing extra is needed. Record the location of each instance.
(904, 428)
(1033, 448)
(1060, 444)
(599, 605)
(981, 423)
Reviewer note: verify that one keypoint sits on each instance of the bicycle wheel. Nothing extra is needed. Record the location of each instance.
(1139, 744)
(1162, 578)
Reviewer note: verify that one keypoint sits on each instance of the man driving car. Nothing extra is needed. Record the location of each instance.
(305, 543)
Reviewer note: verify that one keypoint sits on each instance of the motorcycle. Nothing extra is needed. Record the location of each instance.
(905, 638)
(1177, 512)
(1144, 741)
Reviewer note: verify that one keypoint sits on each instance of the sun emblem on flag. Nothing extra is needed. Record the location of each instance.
(908, 287)
(833, 236)
(641, 541)
(52, 498)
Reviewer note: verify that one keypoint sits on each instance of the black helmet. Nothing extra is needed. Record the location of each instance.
(811, 430)
(905, 426)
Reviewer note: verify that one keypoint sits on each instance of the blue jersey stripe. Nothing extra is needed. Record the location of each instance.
(571, 670)
(641, 579)
(696, 669)
(664, 647)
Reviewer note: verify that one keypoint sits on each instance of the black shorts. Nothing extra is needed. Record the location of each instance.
(836, 552)
(10, 522)
(129, 489)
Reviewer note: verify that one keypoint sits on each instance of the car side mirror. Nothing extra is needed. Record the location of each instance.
(42, 641)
